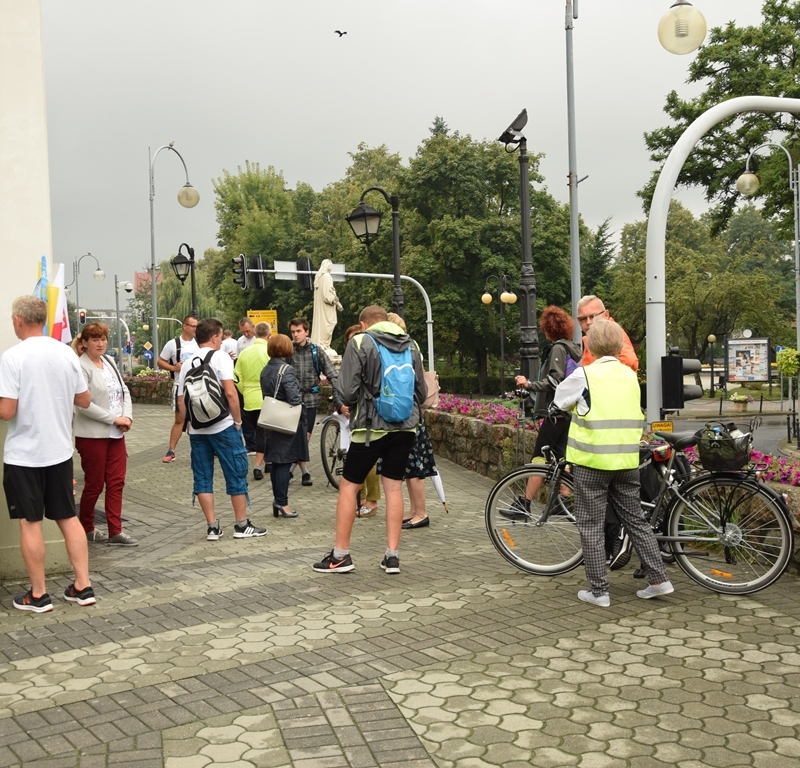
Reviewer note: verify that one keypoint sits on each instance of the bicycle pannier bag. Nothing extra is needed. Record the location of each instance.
(720, 451)
(277, 415)
(203, 395)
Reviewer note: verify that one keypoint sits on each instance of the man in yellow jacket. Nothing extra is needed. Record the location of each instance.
(247, 374)
(603, 449)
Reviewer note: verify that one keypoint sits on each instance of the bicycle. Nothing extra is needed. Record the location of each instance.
(726, 530)
(333, 455)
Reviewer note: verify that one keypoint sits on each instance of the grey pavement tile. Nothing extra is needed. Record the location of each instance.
(520, 647)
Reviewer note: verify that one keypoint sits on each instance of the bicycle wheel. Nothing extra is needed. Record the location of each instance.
(515, 525)
(738, 536)
(332, 455)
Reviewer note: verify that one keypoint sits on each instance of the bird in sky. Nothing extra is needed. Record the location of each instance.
(337, 32)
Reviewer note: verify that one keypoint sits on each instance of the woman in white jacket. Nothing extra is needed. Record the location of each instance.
(100, 437)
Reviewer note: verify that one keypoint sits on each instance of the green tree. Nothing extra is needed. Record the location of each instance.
(739, 61)
(713, 284)
(597, 256)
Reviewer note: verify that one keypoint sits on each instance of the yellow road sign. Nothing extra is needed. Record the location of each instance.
(661, 426)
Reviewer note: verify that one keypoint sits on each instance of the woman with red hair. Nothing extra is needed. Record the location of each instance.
(558, 361)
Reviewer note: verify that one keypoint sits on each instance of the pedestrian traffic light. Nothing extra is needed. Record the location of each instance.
(674, 392)
(81, 317)
(257, 263)
(240, 271)
(304, 264)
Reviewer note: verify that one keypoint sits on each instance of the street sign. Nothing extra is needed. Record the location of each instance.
(148, 355)
(148, 346)
(661, 426)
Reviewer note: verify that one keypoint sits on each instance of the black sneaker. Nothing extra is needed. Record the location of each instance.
(519, 511)
(329, 564)
(28, 602)
(306, 479)
(620, 553)
(258, 473)
(247, 531)
(391, 564)
(214, 532)
(82, 597)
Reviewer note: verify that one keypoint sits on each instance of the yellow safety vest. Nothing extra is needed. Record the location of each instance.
(607, 437)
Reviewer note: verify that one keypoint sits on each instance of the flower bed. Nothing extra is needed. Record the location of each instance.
(150, 387)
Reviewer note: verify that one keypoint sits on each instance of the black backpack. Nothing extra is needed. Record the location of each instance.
(203, 394)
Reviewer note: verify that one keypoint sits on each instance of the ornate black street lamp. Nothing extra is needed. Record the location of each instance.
(528, 338)
(183, 266)
(365, 222)
(506, 297)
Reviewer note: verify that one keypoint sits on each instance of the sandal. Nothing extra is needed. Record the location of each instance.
(365, 511)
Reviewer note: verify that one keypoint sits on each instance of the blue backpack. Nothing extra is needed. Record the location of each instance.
(395, 400)
(571, 365)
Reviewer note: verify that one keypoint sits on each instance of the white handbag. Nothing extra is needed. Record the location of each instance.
(277, 415)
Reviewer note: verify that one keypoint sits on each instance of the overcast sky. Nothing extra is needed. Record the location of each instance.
(270, 82)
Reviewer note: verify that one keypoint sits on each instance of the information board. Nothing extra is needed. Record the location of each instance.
(747, 359)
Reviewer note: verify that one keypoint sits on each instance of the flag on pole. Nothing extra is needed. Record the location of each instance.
(57, 314)
(40, 289)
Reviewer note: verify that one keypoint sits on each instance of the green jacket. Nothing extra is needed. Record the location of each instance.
(247, 373)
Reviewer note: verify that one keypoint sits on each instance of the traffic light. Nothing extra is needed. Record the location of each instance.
(674, 392)
(304, 264)
(240, 271)
(257, 263)
(81, 317)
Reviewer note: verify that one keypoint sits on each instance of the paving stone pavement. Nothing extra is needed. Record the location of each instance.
(235, 653)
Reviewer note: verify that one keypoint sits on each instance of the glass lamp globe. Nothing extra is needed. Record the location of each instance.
(507, 297)
(682, 28)
(748, 183)
(99, 275)
(486, 298)
(188, 196)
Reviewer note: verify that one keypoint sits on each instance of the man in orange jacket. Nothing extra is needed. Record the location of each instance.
(590, 308)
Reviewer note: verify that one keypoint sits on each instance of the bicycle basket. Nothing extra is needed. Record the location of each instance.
(719, 451)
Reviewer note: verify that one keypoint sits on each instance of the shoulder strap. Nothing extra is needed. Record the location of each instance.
(281, 371)
(177, 349)
(315, 358)
(116, 373)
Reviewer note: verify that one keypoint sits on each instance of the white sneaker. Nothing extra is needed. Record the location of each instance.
(656, 590)
(604, 601)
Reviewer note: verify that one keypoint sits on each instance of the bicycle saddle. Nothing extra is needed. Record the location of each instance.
(678, 440)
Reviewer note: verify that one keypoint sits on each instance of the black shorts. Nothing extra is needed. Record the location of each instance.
(36, 492)
(392, 449)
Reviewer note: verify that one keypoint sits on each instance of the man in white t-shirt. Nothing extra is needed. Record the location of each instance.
(222, 439)
(229, 344)
(175, 353)
(248, 331)
(40, 380)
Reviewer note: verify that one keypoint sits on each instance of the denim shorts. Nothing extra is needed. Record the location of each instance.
(229, 448)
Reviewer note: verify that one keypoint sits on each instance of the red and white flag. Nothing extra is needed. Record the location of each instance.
(58, 314)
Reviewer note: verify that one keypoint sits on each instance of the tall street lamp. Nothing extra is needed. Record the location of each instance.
(188, 197)
(748, 185)
(127, 287)
(712, 339)
(183, 266)
(365, 222)
(98, 275)
(528, 337)
(682, 28)
(572, 177)
(506, 297)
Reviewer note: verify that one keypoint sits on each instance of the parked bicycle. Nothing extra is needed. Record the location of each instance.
(727, 531)
(333, 455)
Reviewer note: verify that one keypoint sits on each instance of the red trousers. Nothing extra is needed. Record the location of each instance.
(104, 462)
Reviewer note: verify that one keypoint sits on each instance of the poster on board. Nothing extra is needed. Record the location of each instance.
(747, 359)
